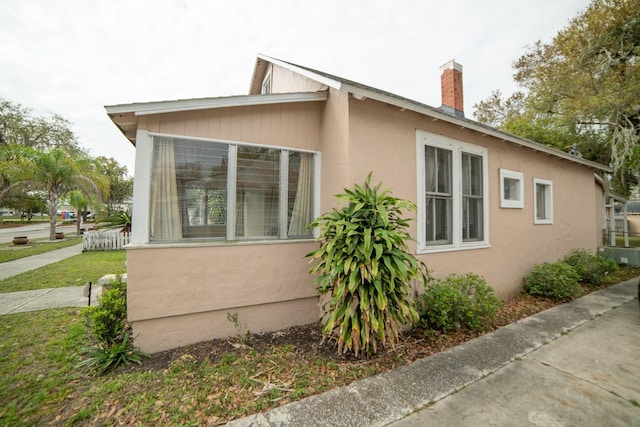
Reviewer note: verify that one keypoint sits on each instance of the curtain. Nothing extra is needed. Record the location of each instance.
(301, 214)
(165, 211)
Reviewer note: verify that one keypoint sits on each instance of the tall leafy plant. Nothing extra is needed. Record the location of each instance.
(365, 270)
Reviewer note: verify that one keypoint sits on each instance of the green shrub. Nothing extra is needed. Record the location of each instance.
(556, 280)
(365, 268)
(108, 319)
(109, 326)
(103, 357)
(459, 301)
(590, 268)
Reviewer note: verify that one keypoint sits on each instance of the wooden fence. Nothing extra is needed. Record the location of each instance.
(104, 240)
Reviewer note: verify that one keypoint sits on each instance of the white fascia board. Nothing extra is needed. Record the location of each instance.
(142, 109)
(432, 112)
(334, 84)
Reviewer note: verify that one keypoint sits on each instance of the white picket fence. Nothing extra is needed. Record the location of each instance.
(104, 240)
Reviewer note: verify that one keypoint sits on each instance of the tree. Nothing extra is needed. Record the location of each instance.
(58, 172)
(80, 202)
(120, 184)
(28, 203)
(580, 92)
(19, 127)
(15, 169)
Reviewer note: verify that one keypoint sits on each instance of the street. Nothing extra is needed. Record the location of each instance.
(32, 231)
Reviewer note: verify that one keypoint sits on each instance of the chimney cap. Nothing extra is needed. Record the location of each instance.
(451, 65)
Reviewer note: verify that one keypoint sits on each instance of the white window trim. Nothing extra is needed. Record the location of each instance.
(424, 139)
(141, 234)
(266, 87)
(549, 201)
(507, 203)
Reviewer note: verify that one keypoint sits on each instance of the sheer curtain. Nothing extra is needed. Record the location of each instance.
(302, 206)
(165, 210)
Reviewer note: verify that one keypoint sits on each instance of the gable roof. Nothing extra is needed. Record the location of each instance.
(362, 91)
(124, 116)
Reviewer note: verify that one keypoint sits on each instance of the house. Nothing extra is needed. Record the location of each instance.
(224, 188)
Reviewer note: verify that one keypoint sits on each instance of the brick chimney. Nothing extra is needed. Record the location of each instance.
(451, 84)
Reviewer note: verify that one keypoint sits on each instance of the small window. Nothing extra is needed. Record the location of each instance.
(543, 201)
(511, 189)
(266, 85)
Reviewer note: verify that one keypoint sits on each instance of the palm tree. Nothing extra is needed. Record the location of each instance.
(80, 202)
(58, 172)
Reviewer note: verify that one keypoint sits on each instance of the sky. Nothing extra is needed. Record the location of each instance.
(73, 57)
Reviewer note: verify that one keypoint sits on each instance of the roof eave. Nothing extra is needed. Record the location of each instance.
(469, 124)
(125, 116)
(332, 83)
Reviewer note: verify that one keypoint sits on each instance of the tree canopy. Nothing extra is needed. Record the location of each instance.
(581, 91)
(120, 184)
(18, 126)
(40, 156)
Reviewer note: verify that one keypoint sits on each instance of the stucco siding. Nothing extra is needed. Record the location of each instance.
(180, 294)
(383, 141)
(336, 173)
(211, 281)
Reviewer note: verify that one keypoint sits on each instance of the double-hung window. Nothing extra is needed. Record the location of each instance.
(204, 189)
(453, 190)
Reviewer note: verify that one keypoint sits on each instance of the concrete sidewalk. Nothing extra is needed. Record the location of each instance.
(13, 268)
(574, 364)
(75, 296)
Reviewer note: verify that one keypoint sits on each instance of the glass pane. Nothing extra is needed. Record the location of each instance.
(444, 171)
(438, 221)
(430, 169)
(443, 220)
(196, 170)
(257, 186)
(472, 214)
(300, 194)
(471, 175)
(541, 201)
(511, 189)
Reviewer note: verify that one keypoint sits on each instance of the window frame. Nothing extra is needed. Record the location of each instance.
(511, 203)
(230, 235)
(265, 88)
(548, 219)
(426, 139)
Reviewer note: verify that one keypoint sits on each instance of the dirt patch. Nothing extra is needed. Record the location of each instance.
(307, 340)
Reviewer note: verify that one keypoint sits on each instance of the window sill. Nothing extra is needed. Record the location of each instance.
(449, 248)
(212, 243)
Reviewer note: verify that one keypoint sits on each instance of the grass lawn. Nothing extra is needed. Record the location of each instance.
(74, 271)
(41, 384)
(10, 252)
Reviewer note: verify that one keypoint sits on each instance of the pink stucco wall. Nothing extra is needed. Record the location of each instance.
(383, 140)
(180, 294)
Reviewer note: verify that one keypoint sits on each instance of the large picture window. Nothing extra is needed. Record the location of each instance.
(452, 201)
(204, 189)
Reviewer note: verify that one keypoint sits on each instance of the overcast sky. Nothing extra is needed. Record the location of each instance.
(73, 57)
